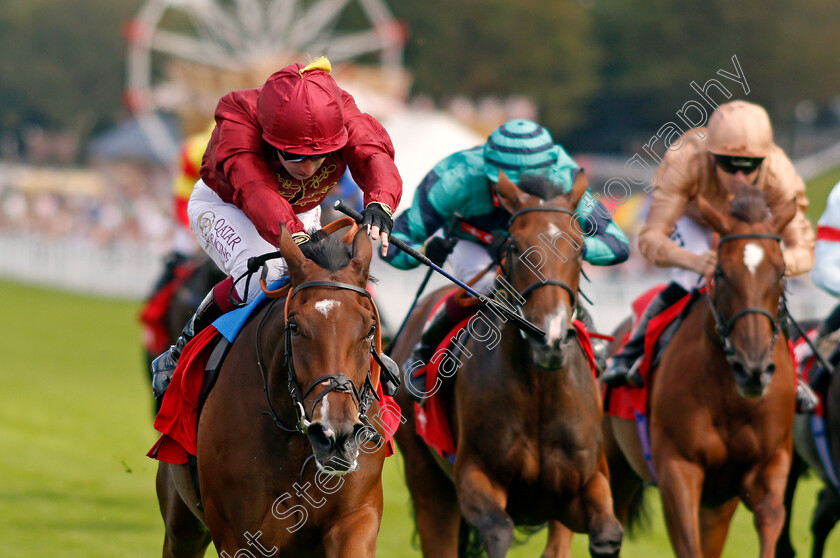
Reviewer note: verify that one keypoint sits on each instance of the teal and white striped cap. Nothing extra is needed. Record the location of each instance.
(519, 147)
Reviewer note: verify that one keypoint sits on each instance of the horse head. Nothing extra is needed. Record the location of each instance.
(331, 325)
(746, 290)
(541, 258)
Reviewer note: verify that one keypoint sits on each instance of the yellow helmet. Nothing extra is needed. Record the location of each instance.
(740, 129)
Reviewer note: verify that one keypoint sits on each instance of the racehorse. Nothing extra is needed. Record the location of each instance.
(287, 421)
(722, 398)
(525, 414)
(166, 312)
(827, 512)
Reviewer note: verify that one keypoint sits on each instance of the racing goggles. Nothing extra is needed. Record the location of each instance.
(731, 164)
(295, 158)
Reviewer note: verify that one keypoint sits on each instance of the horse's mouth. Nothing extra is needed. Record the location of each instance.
(337, 466)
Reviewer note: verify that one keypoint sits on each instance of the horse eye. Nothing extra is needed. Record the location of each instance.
(372, 330)
(293, 327)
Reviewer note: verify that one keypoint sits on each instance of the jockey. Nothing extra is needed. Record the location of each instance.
(465, 182)
(737, 147)
(274, 155)
(826, 275)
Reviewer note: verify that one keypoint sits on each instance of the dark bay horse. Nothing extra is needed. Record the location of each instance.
(287, 462)
(525, 414)
(722, 398)
(827, 511)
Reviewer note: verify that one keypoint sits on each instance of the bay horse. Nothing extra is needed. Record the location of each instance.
(722, 398)
(287, 422)
(525, 414)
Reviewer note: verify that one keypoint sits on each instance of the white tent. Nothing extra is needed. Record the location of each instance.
(421, 138)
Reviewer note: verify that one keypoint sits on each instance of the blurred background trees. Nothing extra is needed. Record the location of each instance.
(601, 72)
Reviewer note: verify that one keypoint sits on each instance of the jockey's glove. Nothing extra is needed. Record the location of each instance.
(438, 248)
(378, 214)
(300, 238)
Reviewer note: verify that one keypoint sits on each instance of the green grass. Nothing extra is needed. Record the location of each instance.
(75, 423)
(818, 190)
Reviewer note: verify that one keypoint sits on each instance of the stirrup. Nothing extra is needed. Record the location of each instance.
(806, 399)
(617, 375)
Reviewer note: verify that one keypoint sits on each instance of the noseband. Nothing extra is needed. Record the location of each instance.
(723, 327)
(339, 383)
(507, 248)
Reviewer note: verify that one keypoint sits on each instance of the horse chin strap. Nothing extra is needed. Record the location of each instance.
(339, 383)
(723, 327)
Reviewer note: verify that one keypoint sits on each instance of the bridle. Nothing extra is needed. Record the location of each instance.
(339, 383)
(507, 248)
(723, 327)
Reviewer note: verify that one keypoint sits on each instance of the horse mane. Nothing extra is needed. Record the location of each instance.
(749, 205)
(540, 186)
(328, 251)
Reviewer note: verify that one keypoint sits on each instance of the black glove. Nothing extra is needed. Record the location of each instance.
(438, 248)
(376, 216)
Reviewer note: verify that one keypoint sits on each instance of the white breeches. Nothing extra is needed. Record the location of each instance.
(230, 238)
(467, 260)
(695, 238)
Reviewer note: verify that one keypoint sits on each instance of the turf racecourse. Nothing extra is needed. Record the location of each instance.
(75, 423)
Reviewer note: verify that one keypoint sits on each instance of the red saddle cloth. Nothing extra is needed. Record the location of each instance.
(432, 419)
(626, 402)
(177, 420)
(153, 314)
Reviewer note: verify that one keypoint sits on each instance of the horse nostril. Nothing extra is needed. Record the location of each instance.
(321, 439)
(770, 368)
(739, 369)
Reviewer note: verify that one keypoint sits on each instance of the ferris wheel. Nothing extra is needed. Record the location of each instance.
(183, 55)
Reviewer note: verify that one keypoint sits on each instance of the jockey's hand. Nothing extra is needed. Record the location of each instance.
(377, 217)
(706, 263)
(437, 249)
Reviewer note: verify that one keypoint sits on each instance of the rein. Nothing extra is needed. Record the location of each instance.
(339, 383)
(723, 327)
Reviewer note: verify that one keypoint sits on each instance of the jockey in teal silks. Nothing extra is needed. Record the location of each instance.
(465, 183)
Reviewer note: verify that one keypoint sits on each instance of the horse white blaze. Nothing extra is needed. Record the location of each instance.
(324, 419)
(325, 306)
(557, 323)
(753, 256)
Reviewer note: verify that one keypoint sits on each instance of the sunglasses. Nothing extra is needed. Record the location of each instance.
(731, 165)
(295, 158)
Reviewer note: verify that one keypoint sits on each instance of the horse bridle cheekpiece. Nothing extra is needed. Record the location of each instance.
(339, 383)
(507, 247)
(723, 327)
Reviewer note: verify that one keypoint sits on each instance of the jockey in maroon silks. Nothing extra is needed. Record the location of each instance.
(273, 157)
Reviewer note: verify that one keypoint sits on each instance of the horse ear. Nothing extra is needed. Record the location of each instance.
(291, 253)
(784, 216)
(509, 194)
(718, 222)
(579, 187)
(362, 253)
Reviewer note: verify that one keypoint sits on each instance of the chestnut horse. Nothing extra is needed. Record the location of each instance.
(525, 414)
(722, 398)
(287, 420)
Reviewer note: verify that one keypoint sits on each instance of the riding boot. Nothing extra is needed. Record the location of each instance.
(623, 368)
(164, 365)
(436, 328)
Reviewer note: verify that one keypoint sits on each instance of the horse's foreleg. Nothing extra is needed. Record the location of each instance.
(764, 494)
(680, 485)
(559, 541)
(604, 530)
(826, 515)
(354, 536)
(784, 547)
(714, 526)
(483, 503)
